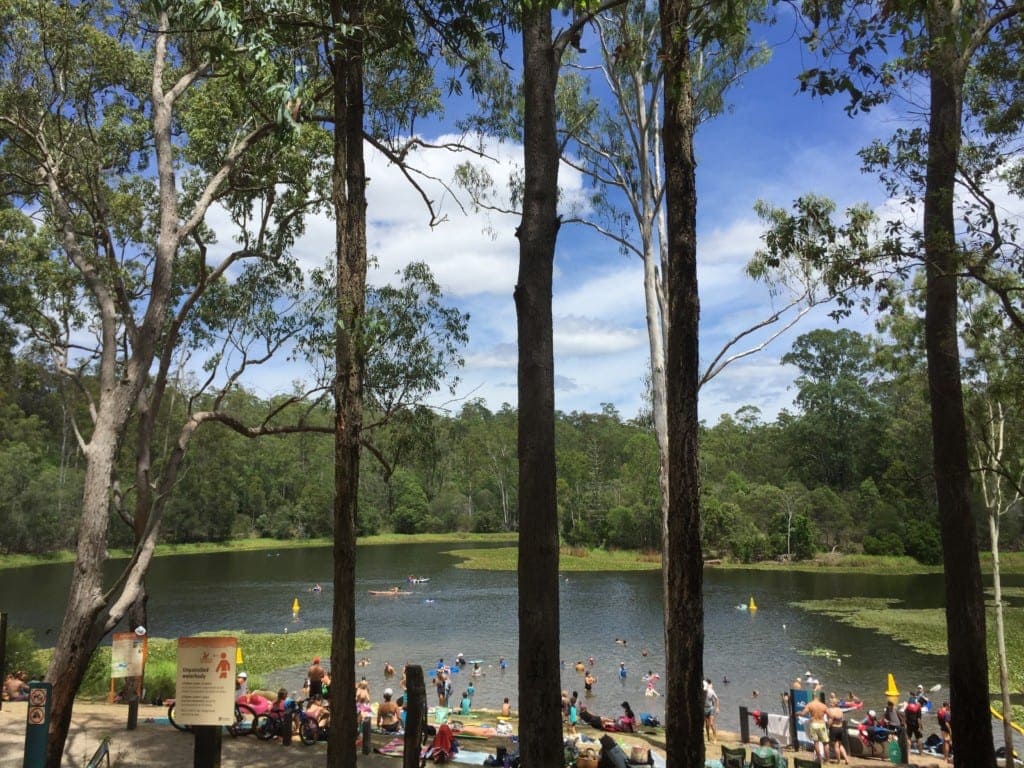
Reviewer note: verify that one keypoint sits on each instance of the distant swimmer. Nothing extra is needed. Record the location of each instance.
(590, 661)
(643, 651)
(619, 641)
(316, 588)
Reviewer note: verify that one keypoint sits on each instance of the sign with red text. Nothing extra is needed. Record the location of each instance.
(205, 693)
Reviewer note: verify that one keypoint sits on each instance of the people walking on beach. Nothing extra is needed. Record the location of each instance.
(816, 710)
(712, 706)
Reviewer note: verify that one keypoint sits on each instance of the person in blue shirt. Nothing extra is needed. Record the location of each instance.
(622, 670)
(470, 690)
(466, 704)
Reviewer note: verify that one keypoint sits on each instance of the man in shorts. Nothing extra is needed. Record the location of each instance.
(712, 707)
(817, 731)
(912, 719)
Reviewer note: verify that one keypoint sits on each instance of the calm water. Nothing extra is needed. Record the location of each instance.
(474, 612)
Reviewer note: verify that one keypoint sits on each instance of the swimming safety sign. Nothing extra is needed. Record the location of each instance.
(206, 681)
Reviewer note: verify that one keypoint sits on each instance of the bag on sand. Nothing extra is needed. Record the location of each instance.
(587, 758)
(639, 755)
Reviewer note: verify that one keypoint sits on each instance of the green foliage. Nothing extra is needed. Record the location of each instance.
(22, 654)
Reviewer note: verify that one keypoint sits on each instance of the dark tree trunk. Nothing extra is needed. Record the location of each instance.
(349, 202)
(965, 601)
(539, 700)
(682, 558)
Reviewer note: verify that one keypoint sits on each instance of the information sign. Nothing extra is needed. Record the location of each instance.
(205, 692)
(128, 654)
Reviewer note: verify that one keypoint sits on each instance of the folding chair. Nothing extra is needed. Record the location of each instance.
(734, 757)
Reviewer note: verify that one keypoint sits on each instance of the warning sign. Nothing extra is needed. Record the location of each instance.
(206, 681)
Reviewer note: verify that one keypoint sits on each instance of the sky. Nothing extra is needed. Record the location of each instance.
(773, 144)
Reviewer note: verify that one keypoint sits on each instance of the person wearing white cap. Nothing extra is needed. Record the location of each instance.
(241, 684)
(388, 718)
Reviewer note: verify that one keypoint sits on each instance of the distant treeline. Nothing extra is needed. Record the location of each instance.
(849, 470)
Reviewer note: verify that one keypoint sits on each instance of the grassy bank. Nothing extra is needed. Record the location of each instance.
(256, 544)
(570, 559)
(924, 630)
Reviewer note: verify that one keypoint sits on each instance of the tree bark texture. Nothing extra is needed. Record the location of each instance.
(965, 604)
(682, 565)
(539, 699)
(349, 202)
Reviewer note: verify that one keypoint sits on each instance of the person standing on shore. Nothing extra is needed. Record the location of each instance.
(817, 731)
(945, 727)
(836, 727)
(316, 679)
(712, 706)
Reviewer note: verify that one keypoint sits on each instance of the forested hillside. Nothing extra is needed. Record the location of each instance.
(847, 468)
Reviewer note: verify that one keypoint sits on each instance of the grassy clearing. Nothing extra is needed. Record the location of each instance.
(569, 560)
(261, 654)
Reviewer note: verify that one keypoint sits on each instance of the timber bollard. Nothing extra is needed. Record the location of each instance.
(415, 715)
(3, 650)
(206, 752)
(366, 735)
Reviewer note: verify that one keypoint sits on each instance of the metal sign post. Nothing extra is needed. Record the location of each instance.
(37, 728)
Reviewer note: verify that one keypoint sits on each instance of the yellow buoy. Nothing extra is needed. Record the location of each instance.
(753, 605)
(892, 691)
(295, 606)
(238, 656)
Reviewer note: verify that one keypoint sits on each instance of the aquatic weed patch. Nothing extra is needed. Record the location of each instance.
(924, 629)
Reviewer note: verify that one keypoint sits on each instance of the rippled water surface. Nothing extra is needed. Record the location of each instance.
(474, 612)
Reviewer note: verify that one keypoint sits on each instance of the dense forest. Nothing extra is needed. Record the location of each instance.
(847, 469)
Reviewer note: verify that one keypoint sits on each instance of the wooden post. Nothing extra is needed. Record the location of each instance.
(744, 726)
(3, 651)
(206, 752)
(415, 715)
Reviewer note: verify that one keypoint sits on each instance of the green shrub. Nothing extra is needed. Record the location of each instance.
(22, 653)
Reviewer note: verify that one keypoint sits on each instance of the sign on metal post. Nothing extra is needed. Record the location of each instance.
(128, 662)
(37, 725)
(205, 695)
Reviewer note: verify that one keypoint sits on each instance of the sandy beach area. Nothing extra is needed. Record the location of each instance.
(155, 742)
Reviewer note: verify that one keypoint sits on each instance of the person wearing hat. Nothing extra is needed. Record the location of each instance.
(316, 679)
(241, 684)
(388, 714)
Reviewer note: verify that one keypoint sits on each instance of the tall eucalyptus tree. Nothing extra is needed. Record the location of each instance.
(94, 101)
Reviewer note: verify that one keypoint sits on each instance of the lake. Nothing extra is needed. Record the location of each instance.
(475, 613)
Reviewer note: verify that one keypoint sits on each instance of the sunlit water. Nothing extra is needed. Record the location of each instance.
(475, 613)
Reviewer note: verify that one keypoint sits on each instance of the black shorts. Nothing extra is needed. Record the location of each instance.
(835, 733)
(316, 688)
(914, 730)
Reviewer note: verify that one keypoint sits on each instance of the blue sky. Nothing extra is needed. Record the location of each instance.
(774, 144)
